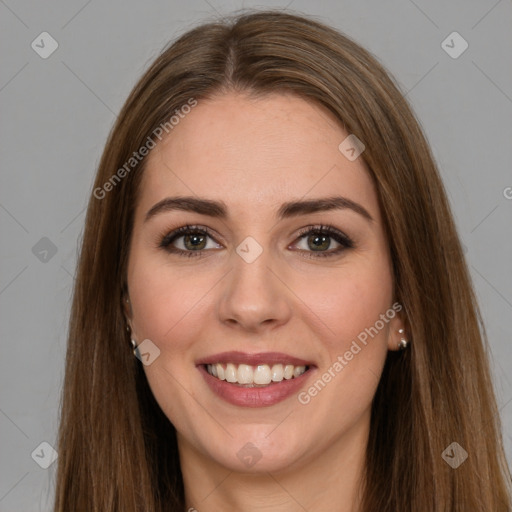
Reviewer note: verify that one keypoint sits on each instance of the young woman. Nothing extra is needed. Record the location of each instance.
(269, 231)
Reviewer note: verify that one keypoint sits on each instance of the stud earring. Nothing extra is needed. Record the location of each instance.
(402, 345)
(133, 342)
(134, 345)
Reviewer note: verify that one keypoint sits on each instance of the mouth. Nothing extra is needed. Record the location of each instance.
(255, 380)
(250, 376)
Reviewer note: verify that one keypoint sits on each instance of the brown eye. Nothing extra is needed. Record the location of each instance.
(320, 242)
(319, 239)
(187, 241)
(194, 241)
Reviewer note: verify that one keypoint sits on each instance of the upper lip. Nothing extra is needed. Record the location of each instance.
(254, 359)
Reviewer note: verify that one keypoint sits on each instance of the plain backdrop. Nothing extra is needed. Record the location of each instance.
(56, 113)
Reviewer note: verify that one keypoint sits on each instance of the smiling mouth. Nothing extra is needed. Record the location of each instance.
(249, 376)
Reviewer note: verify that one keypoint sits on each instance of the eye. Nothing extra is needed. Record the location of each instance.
(187, 241)
(319, 239)
(192, 241)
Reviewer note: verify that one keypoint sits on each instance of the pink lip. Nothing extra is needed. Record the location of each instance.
(254, 397)
(269, 358)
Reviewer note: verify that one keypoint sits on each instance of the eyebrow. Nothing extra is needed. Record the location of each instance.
(218, 209)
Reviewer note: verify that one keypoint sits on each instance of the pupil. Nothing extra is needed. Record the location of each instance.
(321, 241)
(194, 240)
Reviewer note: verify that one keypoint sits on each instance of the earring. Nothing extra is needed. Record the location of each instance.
(402, 345)
(133, 342)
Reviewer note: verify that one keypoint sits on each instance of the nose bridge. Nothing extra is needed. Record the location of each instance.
(253, 295)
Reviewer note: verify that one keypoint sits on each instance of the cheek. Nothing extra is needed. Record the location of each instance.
(165, 301)
(169, 308)
(349, 303)
(354, 340)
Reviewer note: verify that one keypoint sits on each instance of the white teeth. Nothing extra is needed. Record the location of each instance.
(244, 374)
(288, 371)
(260, 375)
(230, 372)
(277, 373)
(298, 371)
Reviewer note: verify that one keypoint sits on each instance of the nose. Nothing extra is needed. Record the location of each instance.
(254, 296)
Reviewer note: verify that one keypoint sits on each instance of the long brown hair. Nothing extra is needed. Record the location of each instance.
(117, 450)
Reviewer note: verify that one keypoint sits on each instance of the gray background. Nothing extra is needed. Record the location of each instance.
(57, 112)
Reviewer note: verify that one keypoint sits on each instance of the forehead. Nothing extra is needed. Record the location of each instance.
(255, 151)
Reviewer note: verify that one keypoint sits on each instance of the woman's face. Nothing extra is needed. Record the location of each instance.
(257, 289)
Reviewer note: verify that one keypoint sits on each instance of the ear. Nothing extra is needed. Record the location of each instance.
(398, 330)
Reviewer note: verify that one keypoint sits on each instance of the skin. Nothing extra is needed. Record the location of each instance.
(255, 154)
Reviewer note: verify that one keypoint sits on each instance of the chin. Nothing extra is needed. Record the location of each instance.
(258, 449)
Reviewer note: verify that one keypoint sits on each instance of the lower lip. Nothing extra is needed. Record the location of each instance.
(254, 397)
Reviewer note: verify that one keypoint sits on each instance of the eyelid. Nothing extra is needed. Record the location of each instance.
(168, 236)
(328, 230)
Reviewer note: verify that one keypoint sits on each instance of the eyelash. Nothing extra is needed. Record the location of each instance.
(167, 239)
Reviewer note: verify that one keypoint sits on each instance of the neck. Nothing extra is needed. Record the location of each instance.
(329, 480)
